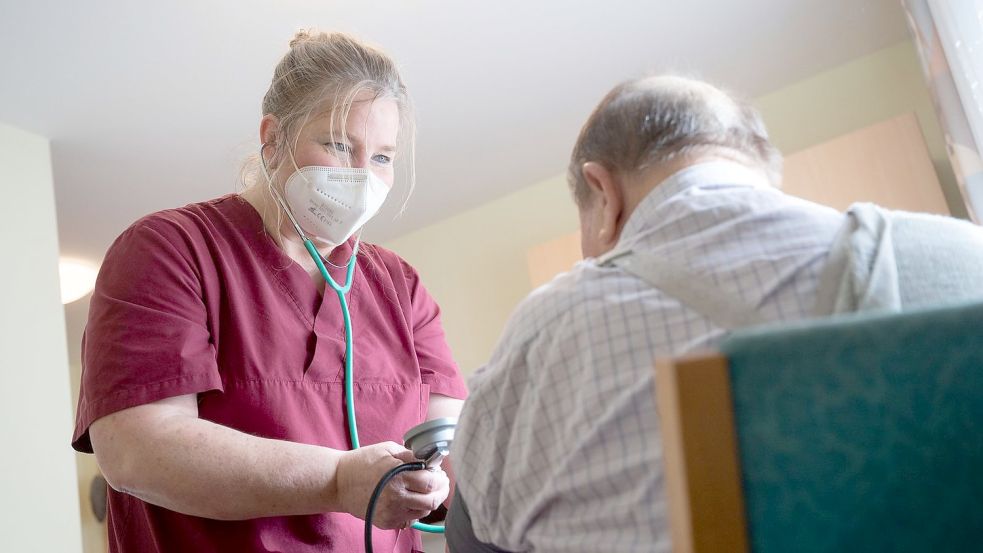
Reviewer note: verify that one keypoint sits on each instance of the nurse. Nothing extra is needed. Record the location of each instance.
(214, 359)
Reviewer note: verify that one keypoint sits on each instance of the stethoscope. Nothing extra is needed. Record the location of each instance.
(430, 440)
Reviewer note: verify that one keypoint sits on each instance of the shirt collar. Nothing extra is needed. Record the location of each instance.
(710, 173)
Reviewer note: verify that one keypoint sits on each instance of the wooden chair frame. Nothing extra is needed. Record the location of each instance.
(702, 471)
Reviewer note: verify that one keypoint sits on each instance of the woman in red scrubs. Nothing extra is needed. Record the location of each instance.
(213, 380)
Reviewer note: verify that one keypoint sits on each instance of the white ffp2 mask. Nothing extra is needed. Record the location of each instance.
(331, 203)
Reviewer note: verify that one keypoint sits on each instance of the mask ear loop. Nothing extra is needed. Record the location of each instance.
(300, 232)
(308, 244)
(276, 193)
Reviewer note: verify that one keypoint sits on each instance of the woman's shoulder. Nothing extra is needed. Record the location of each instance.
(192, 214)
(384, 258)
(390, 271)
(194, 221)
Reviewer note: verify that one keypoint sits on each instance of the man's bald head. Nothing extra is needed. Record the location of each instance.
(659, 120)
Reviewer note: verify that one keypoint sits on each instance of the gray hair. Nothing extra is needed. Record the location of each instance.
(647, 122)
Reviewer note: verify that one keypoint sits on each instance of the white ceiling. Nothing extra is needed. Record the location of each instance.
(151, 105)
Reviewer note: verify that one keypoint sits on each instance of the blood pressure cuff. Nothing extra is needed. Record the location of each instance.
(458, 532)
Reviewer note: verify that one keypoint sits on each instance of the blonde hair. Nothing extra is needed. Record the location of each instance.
(322, 74)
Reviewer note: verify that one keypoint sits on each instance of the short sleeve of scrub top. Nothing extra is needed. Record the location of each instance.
(147, 337)
(200, 300)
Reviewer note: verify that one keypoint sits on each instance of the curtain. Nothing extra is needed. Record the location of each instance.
(949, 36)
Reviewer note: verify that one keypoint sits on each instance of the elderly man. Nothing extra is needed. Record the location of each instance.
(686, 237)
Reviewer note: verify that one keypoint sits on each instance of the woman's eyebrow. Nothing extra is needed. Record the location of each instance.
(357, 144)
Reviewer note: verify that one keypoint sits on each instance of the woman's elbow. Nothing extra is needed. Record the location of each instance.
(113, 455)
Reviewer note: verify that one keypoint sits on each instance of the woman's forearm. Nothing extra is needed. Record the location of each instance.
(164, 454)
(443, 406)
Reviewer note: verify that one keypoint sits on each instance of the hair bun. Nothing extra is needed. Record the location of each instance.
(302, 36)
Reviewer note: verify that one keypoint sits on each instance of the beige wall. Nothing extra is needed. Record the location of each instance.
(861, 93)
(474, 263)
(39, 500)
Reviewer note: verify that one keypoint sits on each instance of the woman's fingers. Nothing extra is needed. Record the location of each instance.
(401, 504)
(409, 496)
(425, 481)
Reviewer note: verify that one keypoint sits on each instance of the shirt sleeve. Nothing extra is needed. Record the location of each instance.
(459, 533)
(437, 366)
(147, 336)
(483, 448)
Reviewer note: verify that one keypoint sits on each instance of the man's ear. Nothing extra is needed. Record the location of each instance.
(606, 189)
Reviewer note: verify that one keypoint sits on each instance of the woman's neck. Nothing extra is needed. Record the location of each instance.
(282, 231)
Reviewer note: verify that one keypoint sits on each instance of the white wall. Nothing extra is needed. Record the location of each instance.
(474, 263)
(39, 503)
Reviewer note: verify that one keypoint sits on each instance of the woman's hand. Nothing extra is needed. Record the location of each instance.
(408, 497)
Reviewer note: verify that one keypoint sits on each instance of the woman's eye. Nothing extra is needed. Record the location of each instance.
(338, 147)
(382, 159)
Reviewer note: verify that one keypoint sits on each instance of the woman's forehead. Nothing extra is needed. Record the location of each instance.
(376, 116)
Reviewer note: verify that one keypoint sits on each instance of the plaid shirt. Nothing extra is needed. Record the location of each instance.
(558, 447)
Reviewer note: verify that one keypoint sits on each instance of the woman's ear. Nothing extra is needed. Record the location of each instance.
(609, 195)
(269, 129)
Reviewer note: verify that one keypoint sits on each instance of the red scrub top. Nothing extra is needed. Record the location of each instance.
(199, 300)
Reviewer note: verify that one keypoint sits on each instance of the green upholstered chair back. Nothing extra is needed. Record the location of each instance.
(862, 433)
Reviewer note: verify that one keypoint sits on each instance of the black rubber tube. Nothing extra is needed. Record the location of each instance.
(378, 491)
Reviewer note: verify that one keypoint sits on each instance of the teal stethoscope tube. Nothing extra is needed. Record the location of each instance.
(349, 342)
(341, 290)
